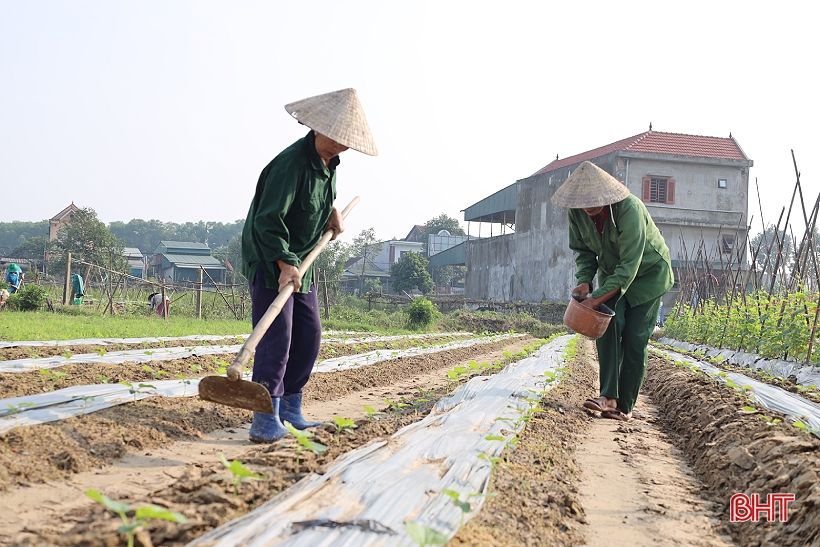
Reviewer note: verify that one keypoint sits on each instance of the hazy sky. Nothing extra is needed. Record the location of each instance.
(170, 110)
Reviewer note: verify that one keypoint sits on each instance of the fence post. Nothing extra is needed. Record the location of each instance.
(164, 302)
(66, 289)
(327, 301)
(199, 296)
(111, 279)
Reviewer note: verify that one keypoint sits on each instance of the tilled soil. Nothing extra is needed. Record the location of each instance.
(35, 382)
(205, 495)
(536, 493)
(734, 451)
(58, 449)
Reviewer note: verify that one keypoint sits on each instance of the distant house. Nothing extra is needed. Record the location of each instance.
(378, 265)
(176, 261)
(137, 263)
(61, 219)
(694, 187)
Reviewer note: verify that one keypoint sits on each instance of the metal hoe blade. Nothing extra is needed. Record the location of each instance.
(239, 393)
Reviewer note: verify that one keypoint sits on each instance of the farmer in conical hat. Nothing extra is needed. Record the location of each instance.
(614, 236)
(14, 277)
(292, 208)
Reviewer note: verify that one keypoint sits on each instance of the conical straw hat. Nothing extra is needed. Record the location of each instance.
(589, 186)
(339, 116)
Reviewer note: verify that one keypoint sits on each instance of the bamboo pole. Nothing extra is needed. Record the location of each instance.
(66, 288)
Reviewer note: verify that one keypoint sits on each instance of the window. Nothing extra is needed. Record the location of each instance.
(402, 253)
(658, 190)
(722, 183)
(727, 244)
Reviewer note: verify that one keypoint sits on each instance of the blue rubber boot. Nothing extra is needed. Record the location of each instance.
(267, 428)
(291, 411)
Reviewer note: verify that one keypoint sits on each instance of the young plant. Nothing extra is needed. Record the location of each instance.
(53, 376)
(509, 444)
(15, 409)
(372, 413)
(463, 505)
(66, 354)
(86, 399)
(155, 374)
(395, 407)
(185, 381)
(100, 351)
(136, 390)
(343, 425)
(102, 379)
(424, 535)
(141, 515)
(304, 443)
(239, 472)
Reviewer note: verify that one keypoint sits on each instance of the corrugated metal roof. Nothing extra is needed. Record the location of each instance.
(454, 256)
(498, 207)
(193, 261)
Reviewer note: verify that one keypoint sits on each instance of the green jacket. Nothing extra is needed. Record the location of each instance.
(631, 253)
(293, 201)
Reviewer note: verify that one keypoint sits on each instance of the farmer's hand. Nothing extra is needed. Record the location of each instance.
(289, 273)
(593, 303)
(582, 290)
(335, 223)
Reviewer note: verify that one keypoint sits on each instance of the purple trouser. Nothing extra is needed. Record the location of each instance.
(286, 354)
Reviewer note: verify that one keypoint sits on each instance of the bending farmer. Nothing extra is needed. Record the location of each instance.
(614, 236)
(14, 277)
(290, 211)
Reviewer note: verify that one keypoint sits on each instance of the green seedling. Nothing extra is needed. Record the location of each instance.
(66, 355)
(185, 381)
(372, 413)
(492, 460)
(749, 409)
(304, 443)
(343, 425)
(149, 352)
(508, 443)
(53, 376)
(141, 515)
(136, 390)
(100, 351)
(396, 407)
(15, 409)
(463, 505)
(239, 472)
(424, 535)
(102, 379)
(155, 374)
(196, 368)
(770, 421)
(473, 365)
(87, 399)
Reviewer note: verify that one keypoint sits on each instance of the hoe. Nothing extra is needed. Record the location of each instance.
(233, 390)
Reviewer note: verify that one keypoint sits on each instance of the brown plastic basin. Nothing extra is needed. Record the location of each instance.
(589, 322)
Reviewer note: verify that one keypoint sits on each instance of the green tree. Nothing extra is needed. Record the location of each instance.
(366, 247)
(34, 248)
(443, 222)
(411, 272)
(15, 233)
(232, 252)
(766, 247)
(330, 265)
(87, 239)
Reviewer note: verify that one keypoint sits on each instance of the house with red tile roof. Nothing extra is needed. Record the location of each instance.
(695, 187)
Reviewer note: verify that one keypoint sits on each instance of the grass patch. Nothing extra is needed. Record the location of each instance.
(50, 326)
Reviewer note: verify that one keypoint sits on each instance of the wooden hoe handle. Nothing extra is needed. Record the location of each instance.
(244, 355)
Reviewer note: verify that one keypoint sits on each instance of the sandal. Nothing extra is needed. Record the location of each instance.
(598, 404)
(616, 414)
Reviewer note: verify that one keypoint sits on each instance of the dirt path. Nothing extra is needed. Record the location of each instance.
(636, 489)
(575, 478)
(137, 475)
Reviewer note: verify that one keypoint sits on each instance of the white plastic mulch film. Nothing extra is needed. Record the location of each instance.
(771, 397)
(181, 352)
(79, 400)
(367, 495)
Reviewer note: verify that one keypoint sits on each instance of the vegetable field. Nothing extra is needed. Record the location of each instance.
(428, 439)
